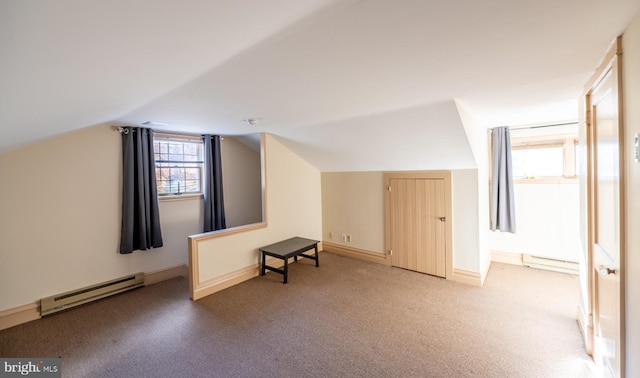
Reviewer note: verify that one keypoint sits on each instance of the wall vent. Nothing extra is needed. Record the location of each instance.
(74, 298)
(539, 262)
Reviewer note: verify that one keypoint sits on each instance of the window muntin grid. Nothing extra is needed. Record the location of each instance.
(178, 166)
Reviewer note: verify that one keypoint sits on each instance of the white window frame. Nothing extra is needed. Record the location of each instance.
(200, 164)
(567, 142)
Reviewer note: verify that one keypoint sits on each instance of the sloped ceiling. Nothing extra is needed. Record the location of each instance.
(347, 84)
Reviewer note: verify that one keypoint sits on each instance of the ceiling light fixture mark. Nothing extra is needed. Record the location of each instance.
(252, 121)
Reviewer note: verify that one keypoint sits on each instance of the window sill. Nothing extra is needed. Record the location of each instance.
(547, 180)
(181, 197)
(227, 231)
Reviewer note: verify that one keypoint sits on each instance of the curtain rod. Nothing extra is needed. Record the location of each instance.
(161, 134)
(543, 125)
(122, 129)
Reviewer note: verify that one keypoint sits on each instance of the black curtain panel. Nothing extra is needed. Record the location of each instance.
(140, 215)
(503, 214)
(214, 218)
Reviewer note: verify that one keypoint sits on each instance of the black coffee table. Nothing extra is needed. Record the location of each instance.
(285, 249)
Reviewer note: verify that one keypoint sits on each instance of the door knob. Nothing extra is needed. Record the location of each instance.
(605, 271)
(443, 219)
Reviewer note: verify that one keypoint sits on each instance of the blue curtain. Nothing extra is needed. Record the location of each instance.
(503, 214)
(214, 218)
(140, 215)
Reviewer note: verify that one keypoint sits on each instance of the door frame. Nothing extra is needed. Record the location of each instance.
(444, 175)
(611, 60)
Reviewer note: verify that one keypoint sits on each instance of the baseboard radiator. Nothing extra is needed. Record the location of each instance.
(74, 298)
(547, 263)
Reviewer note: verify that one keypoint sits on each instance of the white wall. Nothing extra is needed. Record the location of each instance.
(478, 141)
(464, 203)
(631, 98)
(353, 204)
(293, 209)
(60, 218)
(547, 222)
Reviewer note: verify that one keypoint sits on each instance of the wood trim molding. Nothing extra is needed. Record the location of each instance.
(610, 62)
(193, 243)
(416, 175)
(357, 253)
(506, 257)
(19, 315)
(227, 231)
(216, 284)
(547, 180)
(165, 274)
(227, 280)
(467, 277)
(31, 311)
(194, 267)
(615, 49)
(585, 323)
(263, 176)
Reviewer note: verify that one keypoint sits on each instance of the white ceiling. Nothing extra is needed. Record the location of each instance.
(347, 84)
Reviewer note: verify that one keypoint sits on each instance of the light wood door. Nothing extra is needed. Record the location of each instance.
(418, 216)
(603, 104)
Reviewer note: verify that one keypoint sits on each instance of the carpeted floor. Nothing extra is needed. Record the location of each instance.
(347, 318)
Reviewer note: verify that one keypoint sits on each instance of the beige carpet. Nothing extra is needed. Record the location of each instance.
(347, 318)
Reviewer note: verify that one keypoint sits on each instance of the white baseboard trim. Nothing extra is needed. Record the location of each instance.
(165, 274)
(506, 257)
(467, 277)
(31, 311)
(485, 273)
(356, 253)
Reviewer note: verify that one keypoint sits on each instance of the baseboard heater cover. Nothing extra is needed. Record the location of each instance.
(87, 294)
(547, 263)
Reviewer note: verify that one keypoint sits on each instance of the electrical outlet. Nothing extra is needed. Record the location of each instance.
(348, 238)
(344, 237)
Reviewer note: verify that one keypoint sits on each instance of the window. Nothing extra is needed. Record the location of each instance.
(179, 164)
(536, 158)
(538, 162)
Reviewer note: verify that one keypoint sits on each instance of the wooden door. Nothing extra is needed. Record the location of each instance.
(418, 219)
(607, 219)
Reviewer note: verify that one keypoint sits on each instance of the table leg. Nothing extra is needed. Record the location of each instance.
(286, 270)
(317, 259)
(264, 261)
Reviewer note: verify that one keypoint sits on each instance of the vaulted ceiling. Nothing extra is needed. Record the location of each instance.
(347, 84)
